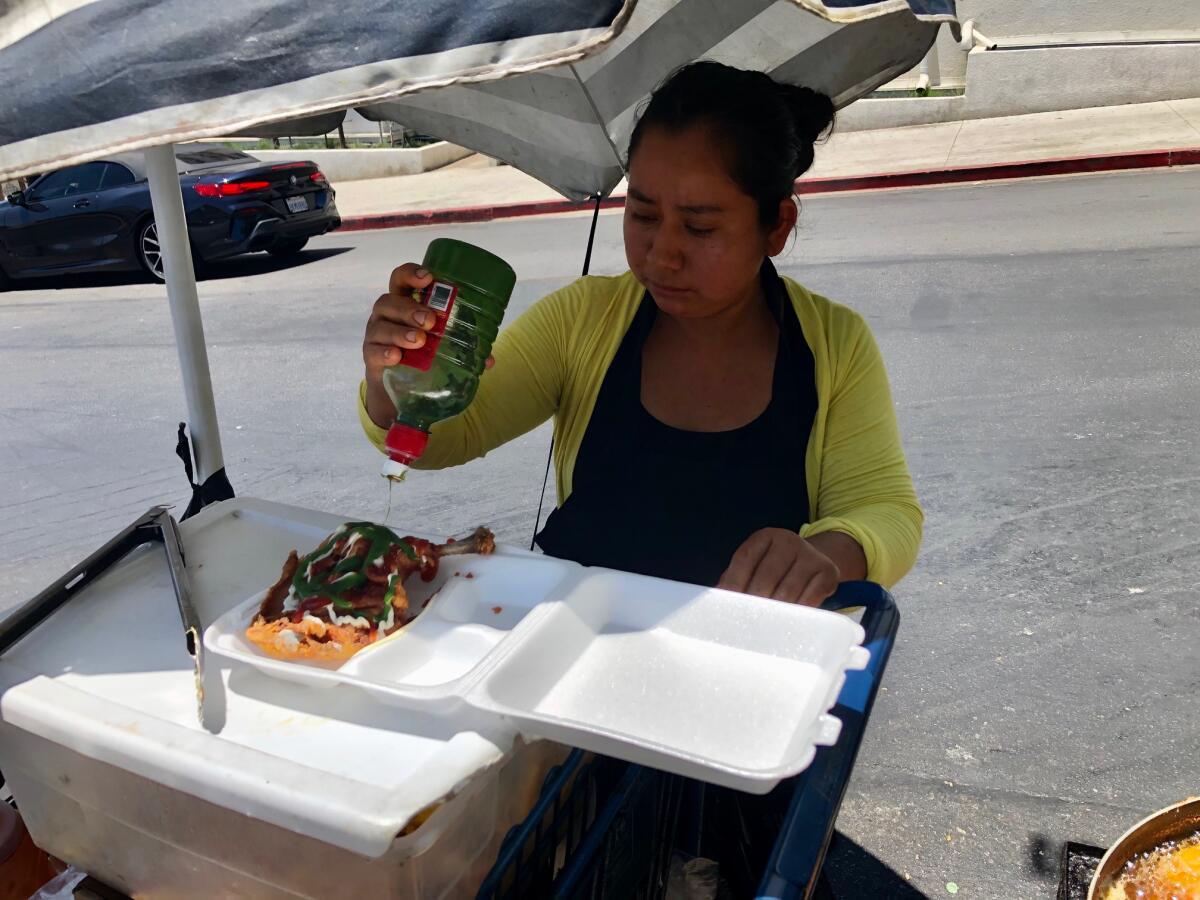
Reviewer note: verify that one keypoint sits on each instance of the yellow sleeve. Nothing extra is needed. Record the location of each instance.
(864, 488)
(520, 392)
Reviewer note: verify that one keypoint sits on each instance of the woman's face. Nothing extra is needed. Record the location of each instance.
(692, 237)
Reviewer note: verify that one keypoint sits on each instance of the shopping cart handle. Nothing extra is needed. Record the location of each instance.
(800, 847)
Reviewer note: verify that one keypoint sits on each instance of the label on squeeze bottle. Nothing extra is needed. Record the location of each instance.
(439, 297)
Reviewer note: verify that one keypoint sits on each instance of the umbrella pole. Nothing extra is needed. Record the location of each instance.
(167, 200)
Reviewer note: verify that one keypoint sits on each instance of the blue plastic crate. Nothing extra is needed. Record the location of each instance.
(607, 829)
(601, 829)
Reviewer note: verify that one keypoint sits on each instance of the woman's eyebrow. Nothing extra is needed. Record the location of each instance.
(635, 194)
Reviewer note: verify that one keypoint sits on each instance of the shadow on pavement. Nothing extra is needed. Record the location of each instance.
(264, 263)
(244, 266)
(851, 872)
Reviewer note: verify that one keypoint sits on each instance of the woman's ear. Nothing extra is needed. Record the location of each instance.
(778, 235)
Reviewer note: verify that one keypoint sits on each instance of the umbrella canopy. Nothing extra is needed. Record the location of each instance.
(84, 79)
(569, 126)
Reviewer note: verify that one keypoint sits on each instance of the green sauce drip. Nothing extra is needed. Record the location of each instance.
(350, 573)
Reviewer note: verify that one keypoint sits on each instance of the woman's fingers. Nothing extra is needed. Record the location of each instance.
(401, 310)
(791, 588)
(407, 278)
(781, 565)
(810, 582)
(405, 337)
(380, 356)
(821, 587)
(398, 322)
(386, 341)
(771, 569)
(745, 560)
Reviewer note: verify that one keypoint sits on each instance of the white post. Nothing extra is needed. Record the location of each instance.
(167, 199)
(969, 38)
(930, 73)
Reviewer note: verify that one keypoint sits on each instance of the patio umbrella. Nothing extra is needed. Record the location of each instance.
(550, 86)
(569, 126)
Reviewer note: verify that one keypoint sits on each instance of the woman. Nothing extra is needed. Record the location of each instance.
(714, 423)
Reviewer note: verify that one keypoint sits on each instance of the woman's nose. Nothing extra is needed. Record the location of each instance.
(665, 250)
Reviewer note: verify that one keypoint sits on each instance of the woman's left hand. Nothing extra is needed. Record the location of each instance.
(781, 565)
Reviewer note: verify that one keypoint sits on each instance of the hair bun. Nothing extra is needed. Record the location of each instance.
(812, 110)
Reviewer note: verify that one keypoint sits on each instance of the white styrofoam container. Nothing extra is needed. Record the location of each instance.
(710, 684)
(299, 792)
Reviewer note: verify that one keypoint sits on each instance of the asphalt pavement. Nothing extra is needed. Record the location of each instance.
(1042, 338)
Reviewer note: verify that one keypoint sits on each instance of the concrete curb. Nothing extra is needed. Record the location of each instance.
(1109, 162)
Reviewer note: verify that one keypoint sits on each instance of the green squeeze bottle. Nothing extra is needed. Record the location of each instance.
(468, 295)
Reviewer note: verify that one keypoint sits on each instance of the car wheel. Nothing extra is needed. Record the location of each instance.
(5, 281)
(287, 248)
(150, 252)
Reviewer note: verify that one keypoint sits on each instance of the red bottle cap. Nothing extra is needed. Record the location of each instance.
(405, 443)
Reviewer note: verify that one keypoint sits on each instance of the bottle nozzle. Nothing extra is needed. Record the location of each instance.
(404, 444)
(394, 471)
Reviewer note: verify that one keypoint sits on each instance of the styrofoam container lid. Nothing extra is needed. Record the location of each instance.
(723, 687)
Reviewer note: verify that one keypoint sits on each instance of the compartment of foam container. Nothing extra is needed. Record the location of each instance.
(482, 599)
(468, 609)
(706, 683)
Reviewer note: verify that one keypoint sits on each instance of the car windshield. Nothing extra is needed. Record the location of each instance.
(190, 159)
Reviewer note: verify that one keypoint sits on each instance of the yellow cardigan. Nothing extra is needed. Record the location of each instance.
(552, 360)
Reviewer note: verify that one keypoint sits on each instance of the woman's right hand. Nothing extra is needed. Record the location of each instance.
(397, 323)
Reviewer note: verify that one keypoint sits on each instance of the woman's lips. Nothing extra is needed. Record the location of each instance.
(662, 290)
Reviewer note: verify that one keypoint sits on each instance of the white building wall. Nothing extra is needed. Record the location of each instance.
(1065, 54)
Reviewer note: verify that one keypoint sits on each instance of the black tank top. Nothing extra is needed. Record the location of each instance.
(657, 500)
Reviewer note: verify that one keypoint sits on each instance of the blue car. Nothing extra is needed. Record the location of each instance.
(96, 217)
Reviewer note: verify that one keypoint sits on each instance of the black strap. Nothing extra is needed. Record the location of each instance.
(587, 265)
(215, 488)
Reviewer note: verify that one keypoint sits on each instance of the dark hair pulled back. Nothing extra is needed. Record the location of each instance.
(767, 128)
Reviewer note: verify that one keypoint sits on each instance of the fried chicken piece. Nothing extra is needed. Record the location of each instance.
(338, 580)
(272, 604)
(428, 555)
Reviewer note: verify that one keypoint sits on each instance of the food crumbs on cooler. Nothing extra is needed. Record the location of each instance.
(469, 575)
(419, 819)
(497, 610)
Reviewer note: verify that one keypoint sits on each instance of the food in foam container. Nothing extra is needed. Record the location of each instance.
(349, 592)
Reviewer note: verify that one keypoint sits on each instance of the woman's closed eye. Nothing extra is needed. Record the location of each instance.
(700, 230)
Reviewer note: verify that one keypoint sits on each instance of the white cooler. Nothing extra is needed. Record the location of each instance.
(309, 776)
(302, 792)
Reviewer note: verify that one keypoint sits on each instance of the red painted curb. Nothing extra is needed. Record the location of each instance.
(472, 213)
(1070, 165)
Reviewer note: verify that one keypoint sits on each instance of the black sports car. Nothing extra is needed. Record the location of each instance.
(97, 216)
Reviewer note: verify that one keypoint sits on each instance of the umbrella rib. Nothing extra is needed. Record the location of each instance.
(599, 120)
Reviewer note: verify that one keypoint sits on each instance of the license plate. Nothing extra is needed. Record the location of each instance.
(297, 204)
